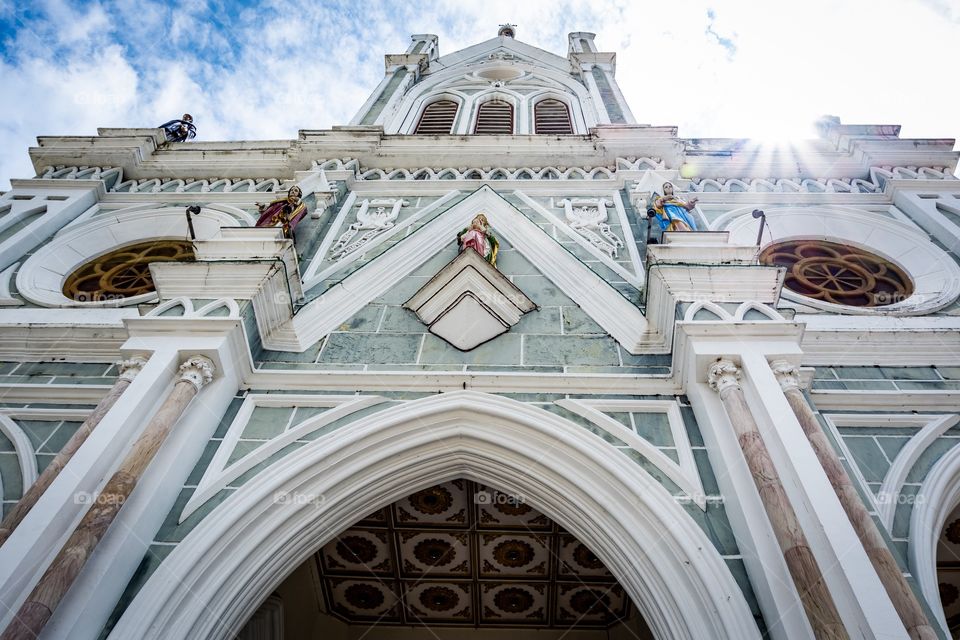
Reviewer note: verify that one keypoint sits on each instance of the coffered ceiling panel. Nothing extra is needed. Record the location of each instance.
(460, 553)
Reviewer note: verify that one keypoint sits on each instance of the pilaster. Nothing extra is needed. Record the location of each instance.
(862, 602)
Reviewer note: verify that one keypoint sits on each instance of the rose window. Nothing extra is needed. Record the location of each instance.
(838, 273)
(123, 273)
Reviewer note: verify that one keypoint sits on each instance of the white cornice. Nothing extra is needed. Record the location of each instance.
(135, 151)
(53, 393)
(831, 400)
(431, 382)
(880, 340)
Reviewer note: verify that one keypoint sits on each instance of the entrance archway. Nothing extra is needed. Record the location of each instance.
(457, 560)
(218, 575)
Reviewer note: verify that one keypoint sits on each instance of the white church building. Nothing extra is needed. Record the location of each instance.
(661, 388)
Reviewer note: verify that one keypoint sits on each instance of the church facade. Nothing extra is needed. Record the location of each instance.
(492, 360)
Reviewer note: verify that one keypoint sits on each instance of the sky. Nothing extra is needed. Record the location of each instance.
(264, 70)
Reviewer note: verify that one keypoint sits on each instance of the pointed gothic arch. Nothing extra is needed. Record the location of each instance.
(941, 494)
(552, 116)
(231, 562)
(438, 114)
(495, 112)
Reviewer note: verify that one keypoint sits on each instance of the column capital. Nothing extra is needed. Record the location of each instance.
(197, 370)
(130, 367)
(724, 374)
(787, 375)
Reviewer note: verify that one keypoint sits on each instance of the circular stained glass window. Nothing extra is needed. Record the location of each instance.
(839, 274)
(123, 273)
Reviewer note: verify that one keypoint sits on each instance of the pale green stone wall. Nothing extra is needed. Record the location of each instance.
(269, 422)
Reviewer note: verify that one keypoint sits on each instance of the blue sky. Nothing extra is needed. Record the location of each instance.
(250, 70)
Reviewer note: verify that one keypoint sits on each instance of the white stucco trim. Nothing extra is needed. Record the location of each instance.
(26, 456)
(214, 580)
(6, 276)
(684, 473)
(940, 492)
(936, 277)
(934, 427)
(40, 279)
(931, 427)
(220, 472)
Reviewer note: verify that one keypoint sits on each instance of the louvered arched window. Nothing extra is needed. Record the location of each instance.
(494, 116)
(438, 117)
(552, 116)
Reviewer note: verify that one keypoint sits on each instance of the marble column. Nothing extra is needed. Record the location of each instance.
(902, 596)
(34, 614)
(128, 371)
(724, 378)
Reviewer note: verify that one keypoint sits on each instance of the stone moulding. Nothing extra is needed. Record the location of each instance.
(608, 307)
(230, 561)
(927, 520)
(469, 302)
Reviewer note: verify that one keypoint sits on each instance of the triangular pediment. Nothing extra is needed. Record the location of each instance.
(604, 304)
(482, 51)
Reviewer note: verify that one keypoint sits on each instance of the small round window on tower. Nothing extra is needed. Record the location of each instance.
(839, 274)
(124, 272)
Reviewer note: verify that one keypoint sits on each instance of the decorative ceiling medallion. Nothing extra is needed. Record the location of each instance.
(469, 302)
(513, 553)
(590, 601)
(364, 596)
(948, 594)
(433, 501)
(952, 532)
(434, 552)
(439, 598)
(125, 272)
(432, 566)
(585, 558)
(839, 274)
(357, 549)
(513, 600)
(511, 507)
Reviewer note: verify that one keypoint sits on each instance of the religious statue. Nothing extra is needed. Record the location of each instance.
(673, 213)
(479, 238)
(179, 130)
(283, 212)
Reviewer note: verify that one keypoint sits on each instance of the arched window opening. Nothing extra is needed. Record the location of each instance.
(438, 117)
(495, 116)
(552, 116)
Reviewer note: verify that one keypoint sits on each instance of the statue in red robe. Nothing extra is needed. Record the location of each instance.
(479, 238)
(283, 212)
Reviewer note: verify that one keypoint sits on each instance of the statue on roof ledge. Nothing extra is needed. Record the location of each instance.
(673, 213)
(283, 212)
(179, 130)
(479, 238)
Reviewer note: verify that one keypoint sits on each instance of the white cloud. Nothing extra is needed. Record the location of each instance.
(714, 69)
